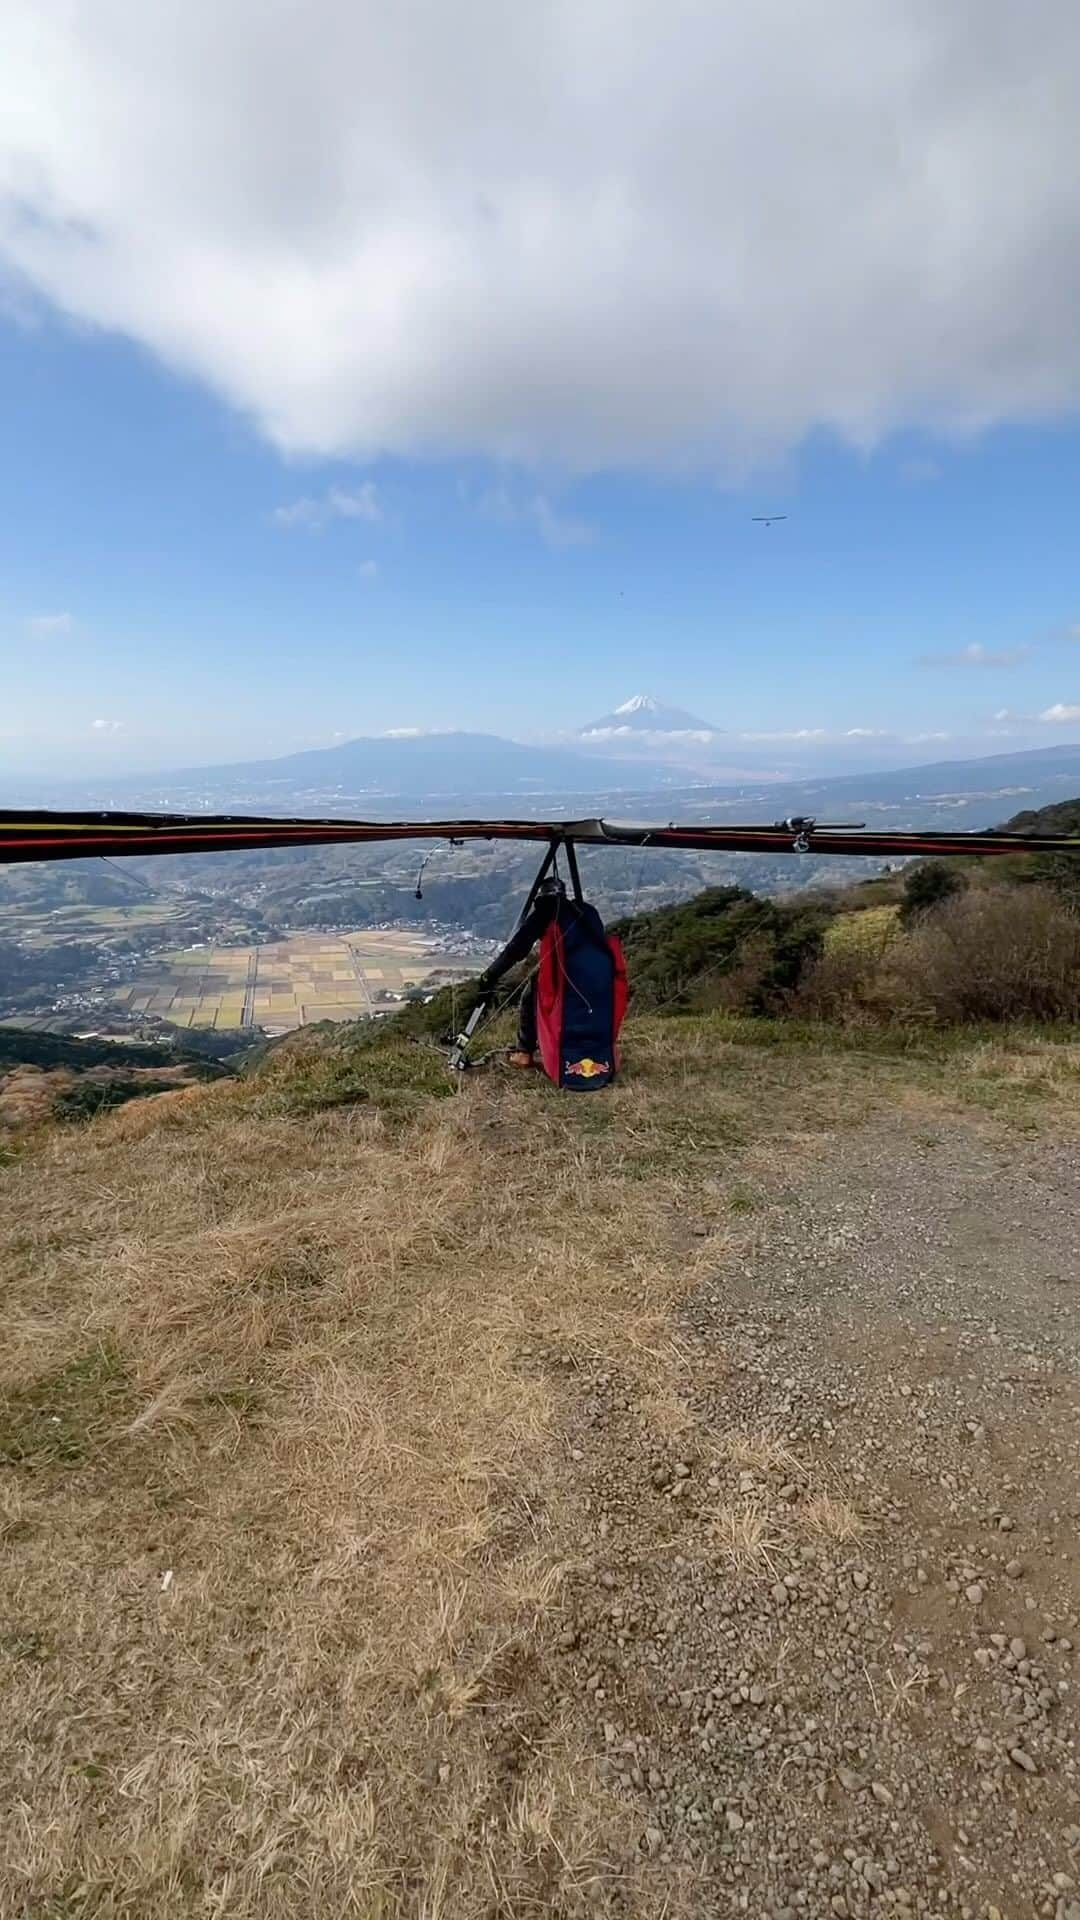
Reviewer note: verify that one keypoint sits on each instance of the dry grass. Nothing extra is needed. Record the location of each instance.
(281, 1360)
(743, 1537)
(763, 1451)
(828, 1516)
(316, 1361)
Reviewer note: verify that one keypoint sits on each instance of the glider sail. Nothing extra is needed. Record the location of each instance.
(32, 834)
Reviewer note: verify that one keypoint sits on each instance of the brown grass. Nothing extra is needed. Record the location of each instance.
(831, 1517)
(744, 1537)
(319, 1365)
(282, 1360)
(763, 1451)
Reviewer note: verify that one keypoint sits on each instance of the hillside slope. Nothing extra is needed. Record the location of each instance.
(512, 1505)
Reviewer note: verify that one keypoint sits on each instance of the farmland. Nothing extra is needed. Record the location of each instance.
(290, 983)
(102, 925)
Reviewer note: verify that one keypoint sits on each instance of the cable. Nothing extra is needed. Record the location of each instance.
(640, 875)
(135, 878)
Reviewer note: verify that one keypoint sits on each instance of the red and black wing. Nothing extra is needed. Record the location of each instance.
(35, 834)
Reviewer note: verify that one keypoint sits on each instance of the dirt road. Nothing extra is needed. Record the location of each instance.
(829, 1623)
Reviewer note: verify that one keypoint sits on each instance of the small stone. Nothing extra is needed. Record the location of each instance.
(1014, 1569)
(757, 1695)
(1022, 1760)
(861, 1581)
(839, 1906)
(1018, 1648)
(444, 1774)
(682, 1471)
(652, 1840)
(780, 1594)
(851, 1782)
(735, 1821)
(975, 1594)
(881, 1793)
(1006, 1525)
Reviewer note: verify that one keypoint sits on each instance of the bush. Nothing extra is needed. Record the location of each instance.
(927, 886)
(991, 954)
(845, 983)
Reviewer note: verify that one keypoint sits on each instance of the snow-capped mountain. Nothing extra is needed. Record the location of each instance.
(642, 715)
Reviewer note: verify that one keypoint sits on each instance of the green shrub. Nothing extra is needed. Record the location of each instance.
(927, 886)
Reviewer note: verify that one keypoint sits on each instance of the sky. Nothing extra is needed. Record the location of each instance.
(365, 368)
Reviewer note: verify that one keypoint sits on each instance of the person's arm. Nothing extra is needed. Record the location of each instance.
(521, 941)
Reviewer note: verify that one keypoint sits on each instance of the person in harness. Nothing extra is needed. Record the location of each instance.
(573, 1004)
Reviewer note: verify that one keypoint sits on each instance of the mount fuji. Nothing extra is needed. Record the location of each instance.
(642, 715)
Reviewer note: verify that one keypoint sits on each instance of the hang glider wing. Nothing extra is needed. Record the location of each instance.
(40, 835)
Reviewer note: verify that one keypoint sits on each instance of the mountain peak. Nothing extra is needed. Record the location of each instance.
(642, 714)
(639, 703)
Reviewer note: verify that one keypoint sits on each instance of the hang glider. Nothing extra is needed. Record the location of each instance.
(767, 519)
(38, 835)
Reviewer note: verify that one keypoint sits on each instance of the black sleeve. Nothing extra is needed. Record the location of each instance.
(522, 940)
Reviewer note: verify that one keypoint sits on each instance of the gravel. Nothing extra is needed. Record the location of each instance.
(867, 1707)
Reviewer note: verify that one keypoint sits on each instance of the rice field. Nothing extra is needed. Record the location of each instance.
(307, 978)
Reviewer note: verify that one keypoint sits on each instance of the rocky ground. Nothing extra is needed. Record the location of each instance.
(826, 1626)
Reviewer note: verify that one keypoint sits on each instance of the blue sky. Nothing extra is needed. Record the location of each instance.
(165, 570)
(377, 391)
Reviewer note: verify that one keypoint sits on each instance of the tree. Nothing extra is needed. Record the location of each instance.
(926, 887)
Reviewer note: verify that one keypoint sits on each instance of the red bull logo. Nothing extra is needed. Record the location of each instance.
(587, 1069)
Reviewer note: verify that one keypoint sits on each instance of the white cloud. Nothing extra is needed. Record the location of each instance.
(976, 655)
(796, 733)
(557, 529)
(105, 726)
(598, 232)
(45, 626)
(368, 569)
(1062, 713)
(335, 504)
(837, 735)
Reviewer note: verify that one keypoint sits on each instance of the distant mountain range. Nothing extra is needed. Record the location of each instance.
(452, 773)
(370, 774)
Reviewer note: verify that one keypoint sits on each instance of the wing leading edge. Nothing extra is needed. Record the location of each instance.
(32, 834)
